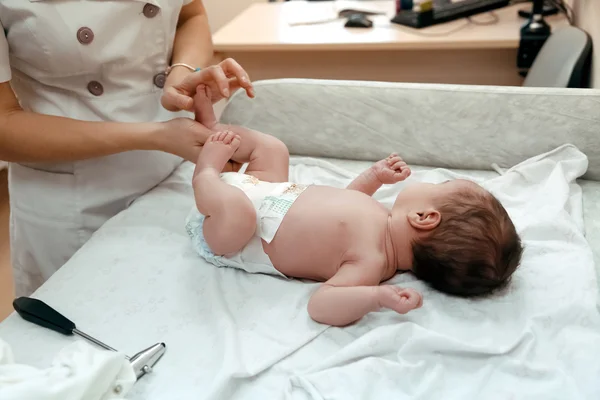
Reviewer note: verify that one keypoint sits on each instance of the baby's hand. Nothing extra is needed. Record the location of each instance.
(398, 299)
(391, 170)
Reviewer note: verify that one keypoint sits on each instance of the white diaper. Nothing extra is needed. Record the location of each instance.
(271, 202)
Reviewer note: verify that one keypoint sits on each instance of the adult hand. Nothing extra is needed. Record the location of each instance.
(223, 79)
(185, 137)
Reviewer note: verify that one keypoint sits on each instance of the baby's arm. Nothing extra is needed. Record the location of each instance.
(366, 182)
(387, 171)
(353, 292)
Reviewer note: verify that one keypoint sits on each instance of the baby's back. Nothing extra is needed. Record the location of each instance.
(325, 227)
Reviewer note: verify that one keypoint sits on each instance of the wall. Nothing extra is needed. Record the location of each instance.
(222, 11)
(587, 17)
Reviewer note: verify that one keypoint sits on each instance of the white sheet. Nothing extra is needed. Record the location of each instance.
(232, 335)
(539, 340)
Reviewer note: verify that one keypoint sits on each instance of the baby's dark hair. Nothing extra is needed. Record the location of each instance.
(473, 251)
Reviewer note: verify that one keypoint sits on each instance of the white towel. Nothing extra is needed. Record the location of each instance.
(79, 372)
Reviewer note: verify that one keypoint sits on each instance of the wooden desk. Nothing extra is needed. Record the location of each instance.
(262, 40)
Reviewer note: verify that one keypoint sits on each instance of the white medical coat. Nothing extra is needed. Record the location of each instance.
(92, 60)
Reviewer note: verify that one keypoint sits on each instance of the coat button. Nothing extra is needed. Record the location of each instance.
(95, 88)
(159, 80)
(150, 10)
(85, 35)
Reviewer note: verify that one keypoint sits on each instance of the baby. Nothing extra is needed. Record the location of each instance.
(456, 236)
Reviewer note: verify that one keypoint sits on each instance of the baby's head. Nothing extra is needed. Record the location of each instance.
(462, 239)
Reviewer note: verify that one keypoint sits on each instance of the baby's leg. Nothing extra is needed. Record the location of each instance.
(267, 156)
(203, 108)
(230, 216)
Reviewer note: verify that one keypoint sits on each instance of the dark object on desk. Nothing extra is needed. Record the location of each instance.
(564, 61)
(358, 21)
(347, 12)
(548, 10)
(445, 12)
(533, 36)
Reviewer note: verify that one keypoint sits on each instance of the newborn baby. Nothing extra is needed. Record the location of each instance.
(455, 235)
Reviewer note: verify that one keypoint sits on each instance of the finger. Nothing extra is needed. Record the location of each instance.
(234, 85)
(394, 162)
(418, 299)
(213, 74)
(412, 297)
(171, 101)
(405, 304)
(181, 101)
(221, 80)
(410, 292)
(399, 165)
(232, 68)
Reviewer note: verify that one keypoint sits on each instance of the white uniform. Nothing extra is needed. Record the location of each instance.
(93, 60)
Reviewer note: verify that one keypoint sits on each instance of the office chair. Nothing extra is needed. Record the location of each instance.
(563, 61)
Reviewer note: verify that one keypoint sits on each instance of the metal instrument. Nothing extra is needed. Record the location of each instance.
(39, 313)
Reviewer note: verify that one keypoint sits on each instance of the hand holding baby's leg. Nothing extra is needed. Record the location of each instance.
(400, 300)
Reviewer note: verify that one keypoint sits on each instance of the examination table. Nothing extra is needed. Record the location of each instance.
(232, 335)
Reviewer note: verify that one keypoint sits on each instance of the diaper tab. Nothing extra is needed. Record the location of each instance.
(274, 207)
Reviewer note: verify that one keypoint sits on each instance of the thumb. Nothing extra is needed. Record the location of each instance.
(174, 101)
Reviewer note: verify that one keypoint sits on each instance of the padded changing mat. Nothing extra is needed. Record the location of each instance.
(233, 335)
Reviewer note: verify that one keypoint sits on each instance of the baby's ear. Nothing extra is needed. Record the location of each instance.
(426, 219)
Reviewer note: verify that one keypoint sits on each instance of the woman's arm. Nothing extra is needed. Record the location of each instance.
(31, 137)
(193, 46)
(193, 40)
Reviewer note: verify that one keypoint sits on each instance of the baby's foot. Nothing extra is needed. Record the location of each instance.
(217, 151)
(398, 299)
